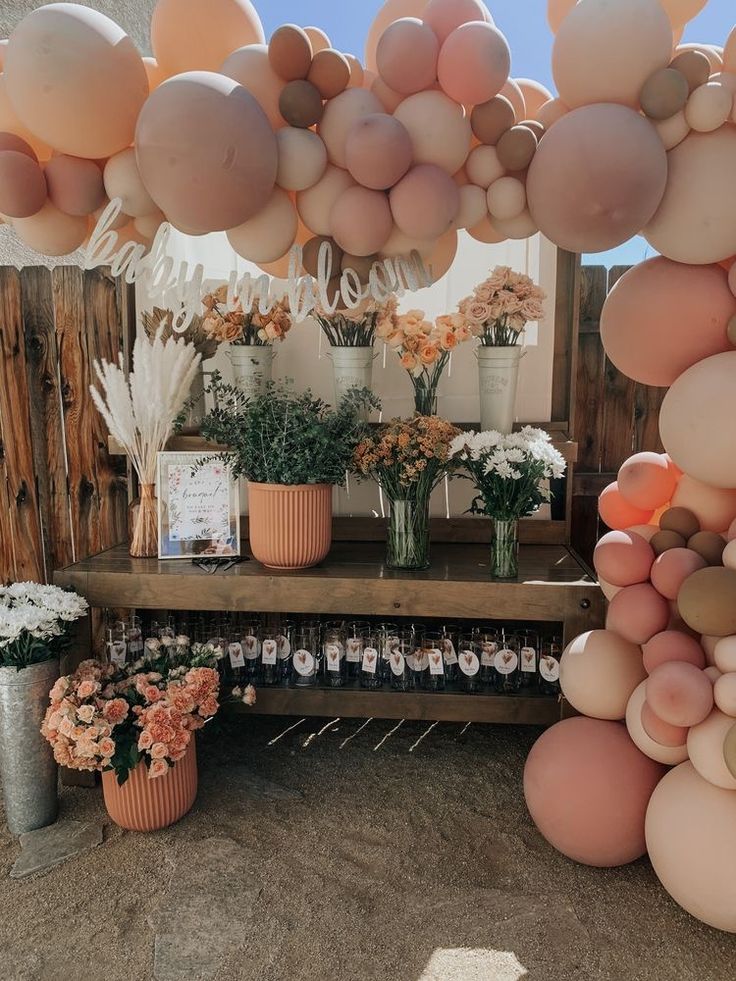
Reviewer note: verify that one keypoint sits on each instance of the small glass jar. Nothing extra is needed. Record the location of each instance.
(418, 663)
(450, 634)
(269, 662)
(305, 657)
(284, 634)
(528, 660)
(250, 638)
(135, 637)
(507, 679)
(333, 655)
(469, 665)
(355, 641)
(388, 634)
(434, 676)
(370, 665)
(117, 645)
(234, 663)
(549, 666)
(487, 641)
(401, 652)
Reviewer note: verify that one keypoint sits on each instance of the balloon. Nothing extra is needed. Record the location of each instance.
(188, 35)
(123, 180)
(587, 787)
(75, 185)
(705, 748)
(707, 601)
(516, 148)
(605, 52)
(709, 545)
(485, 232)
(623, 558)
(117, 223)
(616, 512)
(51, 232)
(445, 16)
(669, 755)
(483, 166)
(155, 73)
(521, 227)
(425, 202)
(680, 520)
(513, 93)
(694, 66)
(148, 225)
(709, 107)
(300, 104)
(672, 131)
(11, 125)
(714, 507)
(679, 693)
(310, 254)
(661, 317)
(490, 120)
(660, 731)
(378, 151)
(729, 556)
(664, 94)
(724, 654)
(22, 185)
(474, 63)
(390, 11)
(318, 39)
(724, 694)
(557, 10)
(82, 93)
(269, 234)
(637, 613)
(672, 645)
(646, 481)
(681, 11)
(598, 176)
(361, 221)
(439, 130)
(330, 73)
(356, 71)
(551, 111)
(598, 672)
(302, 158)
(439, 259)
(647, 532)
(672, 568)
(251, 67)
(10, 141)
(315, 205)
(290, 53)
(389, 99)
(506, 198)
(714, 59)
(401, 244)
(473, 207)
(407, 56)
(206, 152)
(340, 116)
(535, 95)
(729, 52)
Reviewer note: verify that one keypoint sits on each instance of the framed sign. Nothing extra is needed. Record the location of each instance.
(198, 507)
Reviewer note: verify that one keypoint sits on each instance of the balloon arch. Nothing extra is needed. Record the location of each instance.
(294, 142)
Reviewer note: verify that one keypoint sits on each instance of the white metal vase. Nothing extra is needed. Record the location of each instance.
(352, 367)
(498, 375)
(252, 368)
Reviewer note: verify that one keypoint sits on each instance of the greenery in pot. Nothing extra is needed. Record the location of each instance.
(35, 622)
(285, 437)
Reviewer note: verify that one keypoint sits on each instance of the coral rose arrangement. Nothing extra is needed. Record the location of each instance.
(356, 328)
(501, 306)
(35, 622)
(240, 326)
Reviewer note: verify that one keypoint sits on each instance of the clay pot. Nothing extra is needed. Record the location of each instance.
(290, 526)
(142, 804)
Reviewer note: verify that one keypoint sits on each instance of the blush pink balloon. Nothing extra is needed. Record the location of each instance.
(672, 568)
(206, 152)
(680, 693)
(361, 221)
(407, 56)
(474, 63)
(390, 11)
(378, 151)
(597, 178)
(75, 185)
(616, 511)
(672, 645)
(340, 115)
(623, 558)
(10, 141)
(646, 480)
(188, 35)
(426, 202)
(22, 185)
(440, 258)
(587, 787)
(637, 613)
(445, 16)
(660, 731)
(315, 204)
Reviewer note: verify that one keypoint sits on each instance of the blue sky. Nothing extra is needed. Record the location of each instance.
(524, 22)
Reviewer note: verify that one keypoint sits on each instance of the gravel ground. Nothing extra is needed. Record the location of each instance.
(391, 866)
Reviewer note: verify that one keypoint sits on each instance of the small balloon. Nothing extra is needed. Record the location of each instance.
(302, 158)
(269, 234)
(506, 198)
(123, 180)
(491, 119)
(300, 103)
(360, 221)
(330, 73)
(694, 66)
(340, 116)
(425, 202)
(709, 107)
(318, 39)
(516, 148)
(483, 166)
(378, 151)
(439, 129)
(290, 53)
(407, 56)
(664, 94)
(22, 185)
(75, 185)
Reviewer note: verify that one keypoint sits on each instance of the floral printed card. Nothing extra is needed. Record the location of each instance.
(199, 512)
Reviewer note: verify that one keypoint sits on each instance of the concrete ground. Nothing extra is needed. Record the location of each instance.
(333, 861)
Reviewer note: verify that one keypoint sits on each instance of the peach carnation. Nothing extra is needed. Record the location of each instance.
(116, 711)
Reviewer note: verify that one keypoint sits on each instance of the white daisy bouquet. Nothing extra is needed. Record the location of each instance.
(34, 622)
(511, 473)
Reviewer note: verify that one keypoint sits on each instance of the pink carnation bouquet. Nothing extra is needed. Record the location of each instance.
(501, 306)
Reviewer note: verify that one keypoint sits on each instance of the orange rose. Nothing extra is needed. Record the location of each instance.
(429, 354)
(408, 361)
(448, 340)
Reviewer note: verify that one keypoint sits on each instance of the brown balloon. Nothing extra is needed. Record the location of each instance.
(681, 520)
(694, 66)
(290, 52)
(9, 141)
(491, 119)
(333, 291)
(300, 104)
(663, 541)
(709, 545)
(707, 601)
(664, 94)
(22, 185)
(516, 148)
(330, 73)
(75, 185)
(360, 264)
(310, 254)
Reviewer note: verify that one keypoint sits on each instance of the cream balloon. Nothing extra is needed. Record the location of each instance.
(302, 158)
(250, 67)
(401, 244)
(51, 232)
(188, 35)
(714, 507)
(268, 235)
(485, 232)
(390, 11)
(709, 107)
(672, 131)
(705, 748)
(439, 129)
(483, 166)
(473, 206)
(123, 180)
(599, 671)
(9, 123)
(340, 116)
(389, 99)
(535, 95)
(521, 227)
(506, 198)
(549, 112)
(315, 204)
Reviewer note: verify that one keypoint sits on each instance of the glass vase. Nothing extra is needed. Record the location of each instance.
(425, 399)
(505, 550)
(143, 523)
(407, 542)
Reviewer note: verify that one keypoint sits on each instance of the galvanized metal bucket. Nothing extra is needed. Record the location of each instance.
(28, 771)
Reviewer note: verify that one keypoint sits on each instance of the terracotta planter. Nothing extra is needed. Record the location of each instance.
(142, 804)
(290, 527)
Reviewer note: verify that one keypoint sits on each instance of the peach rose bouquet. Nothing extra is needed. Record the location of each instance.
(358, 327)
(501, 306)
(240, 326)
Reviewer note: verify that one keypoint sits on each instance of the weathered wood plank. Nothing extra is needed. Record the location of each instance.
(617, 406)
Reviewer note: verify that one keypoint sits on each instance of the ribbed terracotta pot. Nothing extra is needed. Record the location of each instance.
(290, 527)
(142, 804)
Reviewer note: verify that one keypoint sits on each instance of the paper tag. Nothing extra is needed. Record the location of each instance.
(118, 649)
(354, 648)
(304, 663)
(251, 647)
(448, 649)
(398, 665)
(469, 663)
(436, 664)
(269, 652)
(236, 655)
(549, 668)
(370, 660)
(283, 647)
(506, 661)
(528, 660)
(332, 654)
(488, 653)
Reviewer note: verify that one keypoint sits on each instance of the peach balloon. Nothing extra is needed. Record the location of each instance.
(445, 16)
(535, 95)
(82, 93)
(707, 601)
(672, 568)
(724, 694)
(356, 71)
(401, 244)
(483, 166)
(557, 11)
(513, 93)
(474, 63)
(616, 512)
(51, 232)
(75, 185)
(250, 67)
(155, 73)
(637, 613)
(360, 221)
(473, 206)
(439, 129)
(647, 532)
(270, 233)
(10, 124)
(147, 225)
(278, 269)
(696, 221)
(587, 787)
(598, 672)
(407, 56)
(660, 731)
(605, 52)
(120, 222)
(672, 131)
(122, 180)
(681, 11)
(426, 202)
(646, 481)
(623, 558)
(709, 107)
(506, 198)
(206, 152)
(290, 53)
(679, 693)
(669, 755)
(390, 11)
(315, 204)
(724, 654)
(188, 35)
(598, 176)
(672, 645)
(330, 73)
(705, 748)
(302, 158)
(661, 317)
(729, 52)
(729, 555)
(485, 232)
(378, 151)
(521, 227)
(340, 116)
(22, 185)
(714, 507)
(389, 99)
(318, 39)
(550, 112)
(440, 258)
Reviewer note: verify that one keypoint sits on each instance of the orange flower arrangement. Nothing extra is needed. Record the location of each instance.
(244, 327)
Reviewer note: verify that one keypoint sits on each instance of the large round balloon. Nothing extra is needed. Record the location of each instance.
(623, 558)
(597, 178)
(557, 11)
(661, 317)
(426, 202)
(407, 56)
(302, 158)
(250, 67)
(604, 52)
(598, 672)
(75, 185)
(691, 422)
(188, 35)
(75, 79)
(587, 788)
(670, 755)
(474, 63)
(439, 129)
(268, 235)
(647, 480)
(696, 221)
(707, 601)
(378, 151)
(22, 185)
(206, 152)
(51, 232)
(390, 11)
(714, 507)
(340, 115)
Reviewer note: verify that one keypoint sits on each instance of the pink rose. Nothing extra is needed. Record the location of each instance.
(158, 751)
(107, 747)
(85, 713)
(115, 711)
(152, 694)
(158, 768)
(145, 741)
(88, 688)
